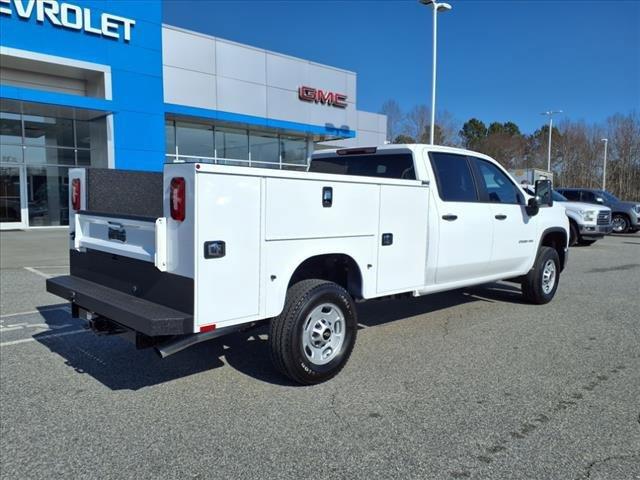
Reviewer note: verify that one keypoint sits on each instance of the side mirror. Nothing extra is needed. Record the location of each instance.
(600, 200)
(532, 207)
(544, 193)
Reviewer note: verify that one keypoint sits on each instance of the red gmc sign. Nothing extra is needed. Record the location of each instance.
(309, 94)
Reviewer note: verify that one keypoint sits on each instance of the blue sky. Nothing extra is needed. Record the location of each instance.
(498, 60)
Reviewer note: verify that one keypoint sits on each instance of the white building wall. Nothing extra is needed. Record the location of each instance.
(207, 72)
(371, 130)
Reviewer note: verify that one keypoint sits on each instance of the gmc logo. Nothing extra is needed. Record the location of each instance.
(309, 94)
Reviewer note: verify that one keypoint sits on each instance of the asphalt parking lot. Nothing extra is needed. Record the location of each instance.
(468, 384)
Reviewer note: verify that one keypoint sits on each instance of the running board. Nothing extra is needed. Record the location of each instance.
(178, 344)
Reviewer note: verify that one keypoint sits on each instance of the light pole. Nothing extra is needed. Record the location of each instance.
(604, 168)
(436, 8)
(550, 114)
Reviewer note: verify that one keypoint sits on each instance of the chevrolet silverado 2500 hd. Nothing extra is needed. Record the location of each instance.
(206, 249)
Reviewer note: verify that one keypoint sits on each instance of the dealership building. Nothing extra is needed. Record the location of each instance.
(107, 84)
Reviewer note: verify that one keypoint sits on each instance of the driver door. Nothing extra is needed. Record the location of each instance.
(514, 231)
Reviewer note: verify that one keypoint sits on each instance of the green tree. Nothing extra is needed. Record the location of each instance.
(473, 132)
(404, 139)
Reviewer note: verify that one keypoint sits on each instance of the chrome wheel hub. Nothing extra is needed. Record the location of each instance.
(619, 224)
(323, 333)
(548, 276)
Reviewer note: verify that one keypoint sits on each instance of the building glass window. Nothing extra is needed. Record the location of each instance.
(293, 152)
(194, 140)
(201, 142)
(10, 194)
(170, 136)
(50, 156)
(35, 155)
(232, 144)
(264, 150)
(10, 129)
(10, 153)
(83, 158)
(83, 134)
(48, 132)
(47, 196)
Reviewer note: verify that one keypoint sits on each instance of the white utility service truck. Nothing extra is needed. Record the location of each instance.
(203, 250)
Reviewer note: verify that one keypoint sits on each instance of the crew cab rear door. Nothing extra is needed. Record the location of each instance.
(464, 223)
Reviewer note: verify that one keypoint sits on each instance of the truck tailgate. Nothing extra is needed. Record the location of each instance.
(141, 238)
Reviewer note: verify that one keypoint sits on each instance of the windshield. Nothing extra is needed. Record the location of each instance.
(558, 197)
(607, 196)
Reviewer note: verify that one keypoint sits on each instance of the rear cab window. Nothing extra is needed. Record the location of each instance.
(453, 177)
(379, 164)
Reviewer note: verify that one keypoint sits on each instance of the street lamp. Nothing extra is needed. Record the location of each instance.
(550, 114)
(604, 168)
(437, 7)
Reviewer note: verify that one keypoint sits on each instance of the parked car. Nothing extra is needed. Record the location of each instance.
(587, 222)
(625, 215)
(206, 249)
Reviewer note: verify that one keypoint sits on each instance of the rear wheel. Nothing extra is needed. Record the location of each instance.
(620, 223)
(312, 339)
(540, 284)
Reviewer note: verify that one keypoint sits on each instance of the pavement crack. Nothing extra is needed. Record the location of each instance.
(587, 472)
(445, 327)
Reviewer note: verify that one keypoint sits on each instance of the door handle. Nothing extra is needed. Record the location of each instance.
(449, 218)
(501, 217)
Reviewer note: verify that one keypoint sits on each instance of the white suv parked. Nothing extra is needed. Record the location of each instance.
(587, 222)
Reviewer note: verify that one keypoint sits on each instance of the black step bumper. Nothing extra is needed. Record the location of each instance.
(135, 313)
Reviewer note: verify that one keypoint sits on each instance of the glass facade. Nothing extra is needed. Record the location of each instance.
(207, 143)
(36, 153)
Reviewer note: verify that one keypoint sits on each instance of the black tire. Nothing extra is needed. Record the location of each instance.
(286, 331)
(532, 283)
(573, 234)
(620, 223)
(586, 243)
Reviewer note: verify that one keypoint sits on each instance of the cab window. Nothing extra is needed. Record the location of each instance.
(454, 178)
(588, 197)
(498, 186)
(573, 195)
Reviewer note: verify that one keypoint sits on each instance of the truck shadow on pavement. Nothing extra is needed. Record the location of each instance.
(115, 362)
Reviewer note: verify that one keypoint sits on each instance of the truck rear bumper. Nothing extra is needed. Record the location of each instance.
(132, 312)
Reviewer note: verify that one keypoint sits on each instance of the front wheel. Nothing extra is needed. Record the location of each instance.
(312, 339)
(620, 223)
(540, 284)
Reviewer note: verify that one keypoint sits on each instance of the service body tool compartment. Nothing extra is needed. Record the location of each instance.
(298, 209)
(228, 210)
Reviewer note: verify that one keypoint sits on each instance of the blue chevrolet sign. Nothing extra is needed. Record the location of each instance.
(123, 38)
(71, 16)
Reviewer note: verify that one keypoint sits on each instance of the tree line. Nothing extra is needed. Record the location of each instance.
(577, 155)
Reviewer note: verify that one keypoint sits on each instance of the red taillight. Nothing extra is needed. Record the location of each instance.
(177, 198)
(75, 194)
(208, 328)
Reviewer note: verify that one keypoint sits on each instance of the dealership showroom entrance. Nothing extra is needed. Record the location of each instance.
(38, 145)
